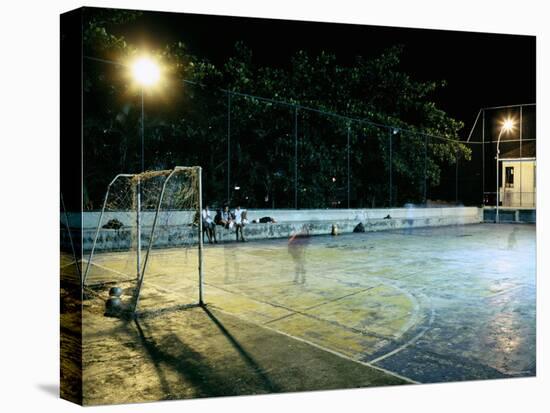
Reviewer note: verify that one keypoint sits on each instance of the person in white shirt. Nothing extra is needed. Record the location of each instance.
(208, 225)
(240, 221)
(226, 219)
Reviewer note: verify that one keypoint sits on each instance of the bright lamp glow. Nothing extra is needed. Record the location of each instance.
(508, 125)
(145, 71)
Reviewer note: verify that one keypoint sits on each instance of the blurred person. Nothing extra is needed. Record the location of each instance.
(297, 246)
(240, 220)
(208, 225)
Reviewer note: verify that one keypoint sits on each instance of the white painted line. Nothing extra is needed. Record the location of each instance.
(112, 270)
(368, 364)
(408, 343)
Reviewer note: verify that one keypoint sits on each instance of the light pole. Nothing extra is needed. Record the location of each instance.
(146, 73)
(507, 126)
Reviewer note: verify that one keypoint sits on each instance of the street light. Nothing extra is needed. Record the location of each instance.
(146, 73)
(507, 126)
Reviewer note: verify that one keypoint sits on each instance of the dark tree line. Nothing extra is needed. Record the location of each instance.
(187, 123)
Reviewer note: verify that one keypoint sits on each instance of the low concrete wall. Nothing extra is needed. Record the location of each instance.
(318, 222)
(90, 219)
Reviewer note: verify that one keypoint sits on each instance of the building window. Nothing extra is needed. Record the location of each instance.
(509, 177)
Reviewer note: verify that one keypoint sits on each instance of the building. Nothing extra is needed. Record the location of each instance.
(518, 186)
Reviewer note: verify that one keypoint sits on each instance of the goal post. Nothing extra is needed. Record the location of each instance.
(149, 227)
(105, 207)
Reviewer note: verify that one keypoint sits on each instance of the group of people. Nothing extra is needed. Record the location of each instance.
(226, 218)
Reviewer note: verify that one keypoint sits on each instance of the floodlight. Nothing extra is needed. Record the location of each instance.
(508, 125)
(145, 71)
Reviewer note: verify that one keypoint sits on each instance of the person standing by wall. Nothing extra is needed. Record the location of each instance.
(208, 225)
(240, 221)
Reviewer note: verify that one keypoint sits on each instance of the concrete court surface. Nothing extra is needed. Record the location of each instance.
(202, 352)
(429, 305)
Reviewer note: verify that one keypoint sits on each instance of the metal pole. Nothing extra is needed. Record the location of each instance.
(520, 155)
(456, 177)
(509, 106)
(228, 146)
(152, 240)
(483, 160)
(425, 169)
(498, 193)
(76, 260)
(142, 133)
(295, 157)
(99, 226)
(201, 293)
(390, 168)
(138, 224)
(497, 220)
(473, 126)
(348, 150)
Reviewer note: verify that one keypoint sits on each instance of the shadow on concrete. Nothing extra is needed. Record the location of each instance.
(156, 356)
(171, 354)
(50, 389)
(267, 383)
(144, 314)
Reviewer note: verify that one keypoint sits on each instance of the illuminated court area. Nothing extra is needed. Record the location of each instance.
(418, 305)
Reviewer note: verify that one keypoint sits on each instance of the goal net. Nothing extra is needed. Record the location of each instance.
(148, 240)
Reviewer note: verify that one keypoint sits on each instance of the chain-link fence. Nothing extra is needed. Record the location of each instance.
(267, 153)
(503, 141)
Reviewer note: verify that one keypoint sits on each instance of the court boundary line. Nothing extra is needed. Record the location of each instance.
(294, 312)
(304, 312)
(408, 343)
(318, 346)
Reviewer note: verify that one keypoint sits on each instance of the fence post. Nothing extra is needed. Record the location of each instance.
(456, 177)
(228, 146)
(425, 169)
(348, 150)
(390, 168)
(201, 240)
(520, 155)
(295, 157)
(483, 160)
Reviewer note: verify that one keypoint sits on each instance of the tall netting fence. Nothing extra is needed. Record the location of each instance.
(260, 154)
(503, 166)
(321, 161)
(267, 153)
(111, 129)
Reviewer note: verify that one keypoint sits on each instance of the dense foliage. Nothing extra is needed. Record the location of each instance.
(187, 123)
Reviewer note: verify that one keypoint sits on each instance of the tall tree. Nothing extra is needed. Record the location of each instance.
(189, 123)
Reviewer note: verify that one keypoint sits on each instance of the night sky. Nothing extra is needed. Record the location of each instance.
(480, 69)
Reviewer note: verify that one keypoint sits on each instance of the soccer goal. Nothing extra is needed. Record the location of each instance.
(148, 239)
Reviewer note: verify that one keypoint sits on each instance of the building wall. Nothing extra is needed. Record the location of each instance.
(523, 193)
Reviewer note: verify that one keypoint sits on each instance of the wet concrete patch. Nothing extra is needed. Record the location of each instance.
(431, 367)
